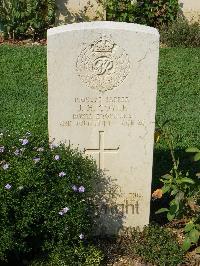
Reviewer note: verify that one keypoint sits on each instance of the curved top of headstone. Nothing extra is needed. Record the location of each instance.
(103, 25)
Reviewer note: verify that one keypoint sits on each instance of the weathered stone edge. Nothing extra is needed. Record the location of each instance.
(103, 25)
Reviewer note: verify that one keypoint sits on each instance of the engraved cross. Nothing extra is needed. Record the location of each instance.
(101, 150)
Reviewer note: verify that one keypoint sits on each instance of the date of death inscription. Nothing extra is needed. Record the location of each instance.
(101, 112)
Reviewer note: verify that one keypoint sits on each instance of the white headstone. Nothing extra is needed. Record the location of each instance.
(102, 99)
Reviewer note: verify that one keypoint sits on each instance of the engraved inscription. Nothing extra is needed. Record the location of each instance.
(125, 208)
(102, 112)
(129, 205)
(101, 150)
(103, 65)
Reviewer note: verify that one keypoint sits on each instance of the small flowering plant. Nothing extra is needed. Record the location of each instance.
(183, 191)
(184, 200)
(45, 194)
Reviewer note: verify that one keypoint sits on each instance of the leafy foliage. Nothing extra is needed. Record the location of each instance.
(45, 196)
(158, 246)
(184, 195)
(123, 11)
(181, 33)
(26, 18)
(152, 13)
(157, 13)
(80, 255)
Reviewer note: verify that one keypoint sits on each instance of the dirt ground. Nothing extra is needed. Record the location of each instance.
(118, 252)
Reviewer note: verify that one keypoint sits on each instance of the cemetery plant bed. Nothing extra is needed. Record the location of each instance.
(47, 202)
(24, 108)
(181, 33)
(160, 246)
(26, 42)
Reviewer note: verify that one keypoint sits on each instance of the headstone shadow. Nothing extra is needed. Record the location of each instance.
(108, 218)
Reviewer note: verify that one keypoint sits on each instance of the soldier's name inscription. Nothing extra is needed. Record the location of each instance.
(102, 111)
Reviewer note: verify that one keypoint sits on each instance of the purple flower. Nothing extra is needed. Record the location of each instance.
(2, 149)
(40, 149)
(81, 236)
(52, 146)
(74, 187)
(62, 174)
(5, 166)
(81, 189)
(8, 186)
(24, 141)
(57, 157)
(17, 152)
(36, 160)
(65, 210)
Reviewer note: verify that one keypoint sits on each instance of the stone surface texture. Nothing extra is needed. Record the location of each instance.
(69, 11)
(102, 84)
(190, 9)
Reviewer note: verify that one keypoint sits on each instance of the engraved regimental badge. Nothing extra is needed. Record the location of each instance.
(103, 65)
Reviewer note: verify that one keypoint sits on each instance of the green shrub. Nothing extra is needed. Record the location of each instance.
(84, 256)
(123, 11)
(158, 246)
(26, 18)
(154, 13)
(181, 33)
(157, 13)
(45, 196)
(183, 193)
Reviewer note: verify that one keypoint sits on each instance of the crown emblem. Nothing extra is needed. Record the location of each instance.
(103, 44)
(102, 64)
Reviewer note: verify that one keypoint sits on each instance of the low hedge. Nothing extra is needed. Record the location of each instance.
(45, 196)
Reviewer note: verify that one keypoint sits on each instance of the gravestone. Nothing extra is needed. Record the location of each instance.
(102, 84)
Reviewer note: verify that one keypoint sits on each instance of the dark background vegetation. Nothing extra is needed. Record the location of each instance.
(24, 19)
